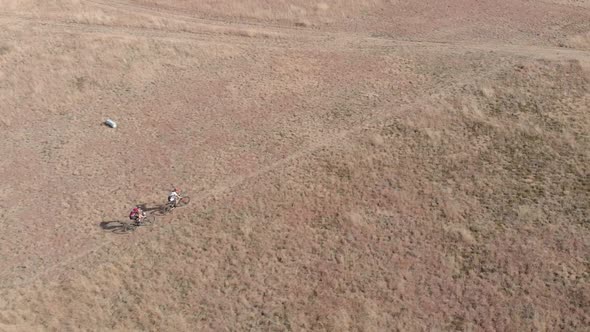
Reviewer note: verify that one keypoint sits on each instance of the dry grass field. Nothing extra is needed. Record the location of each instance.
(384, 165)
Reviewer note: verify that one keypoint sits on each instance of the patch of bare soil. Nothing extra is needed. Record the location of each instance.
(376, 165)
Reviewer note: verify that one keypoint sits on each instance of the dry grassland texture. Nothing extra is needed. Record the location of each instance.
(547, 22)
(353, 166)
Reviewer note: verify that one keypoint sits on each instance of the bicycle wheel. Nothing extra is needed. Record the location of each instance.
(148, 220)
(184, 201)
(125, 228)
(166, 208)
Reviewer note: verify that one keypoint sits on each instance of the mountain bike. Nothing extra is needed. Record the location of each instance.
(128, 227)
(182, 201)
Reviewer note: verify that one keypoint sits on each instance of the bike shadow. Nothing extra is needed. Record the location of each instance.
(157, 208)
(111, 225)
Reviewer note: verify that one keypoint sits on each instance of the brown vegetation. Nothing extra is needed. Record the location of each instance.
(353, 165)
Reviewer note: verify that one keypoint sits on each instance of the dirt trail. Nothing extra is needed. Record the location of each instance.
(282, 37)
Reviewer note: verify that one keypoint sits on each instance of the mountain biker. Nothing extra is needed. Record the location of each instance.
(136, 214)
(173, 197)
